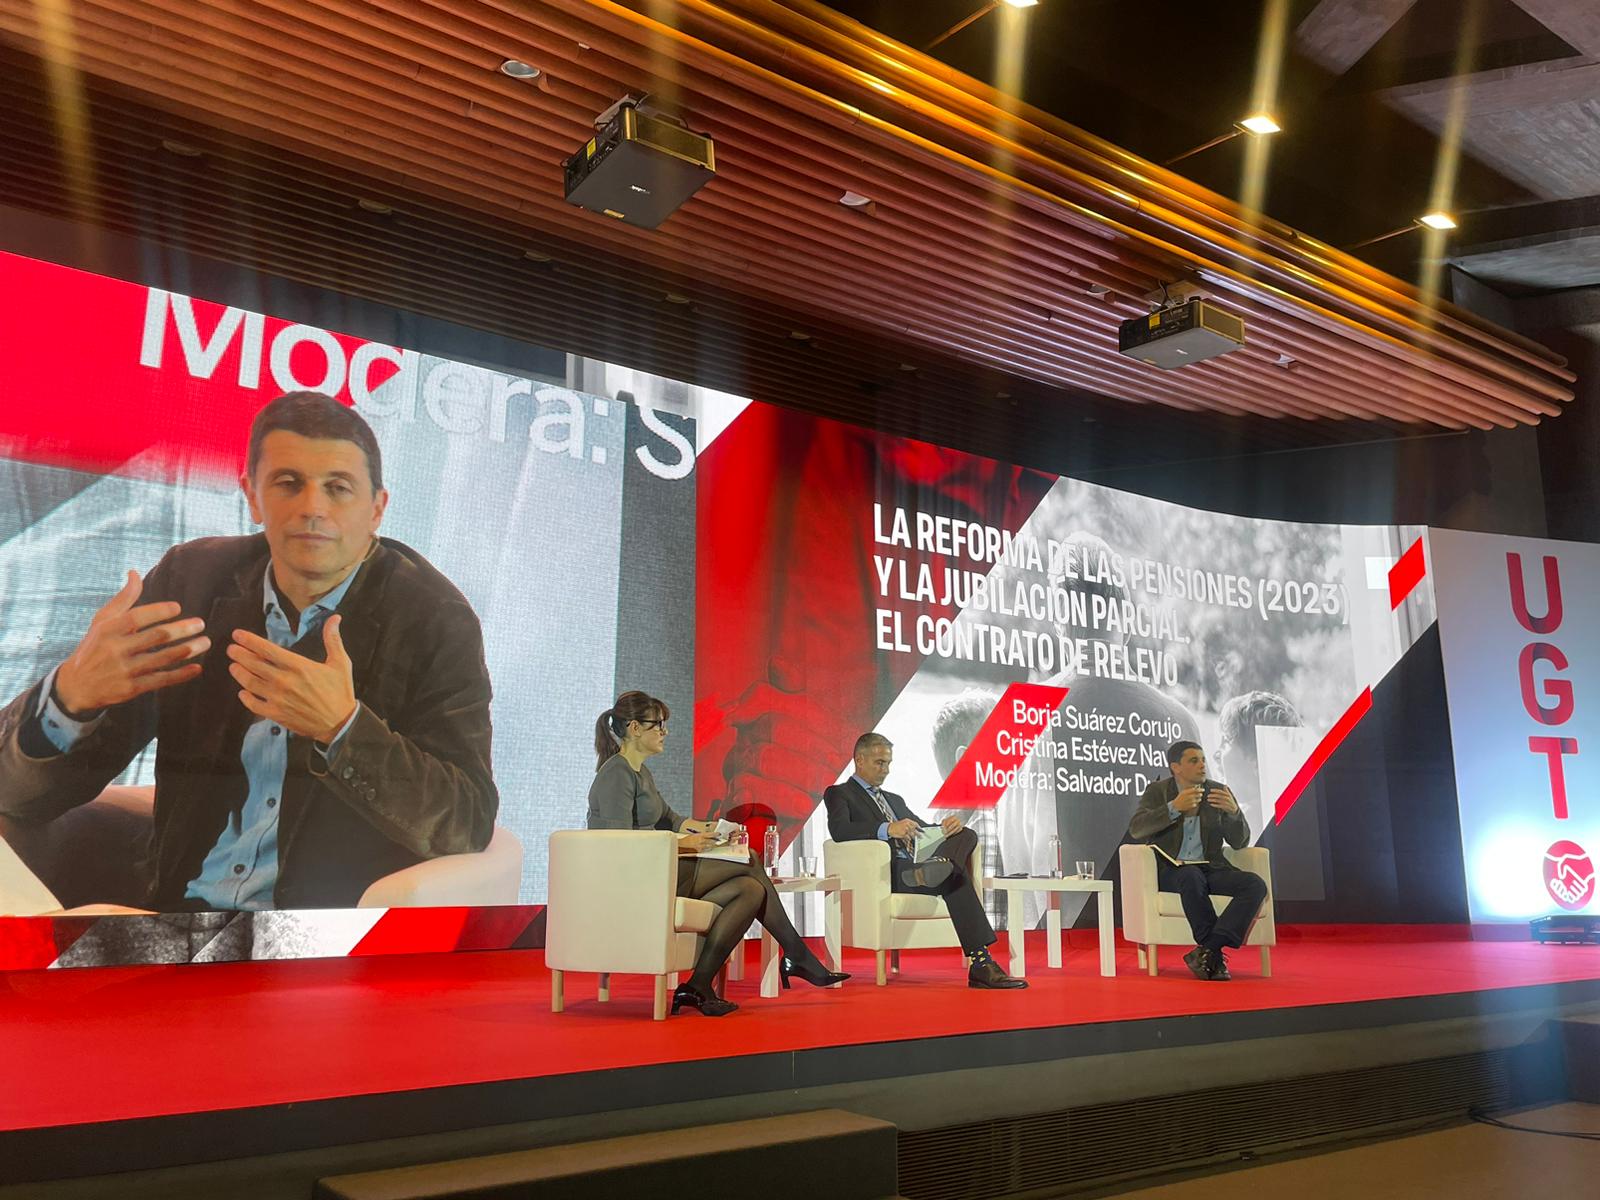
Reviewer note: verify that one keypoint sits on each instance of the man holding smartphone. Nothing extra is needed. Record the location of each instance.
(1186, 819)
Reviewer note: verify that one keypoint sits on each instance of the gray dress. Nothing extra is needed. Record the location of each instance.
(622, 798)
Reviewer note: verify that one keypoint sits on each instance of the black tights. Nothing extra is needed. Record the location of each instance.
(745, 894)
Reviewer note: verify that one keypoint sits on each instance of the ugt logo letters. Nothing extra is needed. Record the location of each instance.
(1569, 874)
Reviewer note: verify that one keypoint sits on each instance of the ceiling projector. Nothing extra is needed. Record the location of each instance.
(1181, 334)
(639, 167)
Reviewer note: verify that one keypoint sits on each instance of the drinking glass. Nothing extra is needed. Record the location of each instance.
(1085, 869)
(808, 866)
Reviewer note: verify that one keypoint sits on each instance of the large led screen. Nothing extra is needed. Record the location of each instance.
(564, 518)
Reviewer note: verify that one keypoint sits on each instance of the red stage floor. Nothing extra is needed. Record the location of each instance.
(114, 1043)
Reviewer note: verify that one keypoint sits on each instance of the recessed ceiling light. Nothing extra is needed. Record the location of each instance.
(908, 366)
(519, 70)
(1019, 3)
(375, 206)
(538, 256)
(1437, 220)
(1098, 290)
(1260, 124)
(675, 298)
(181, 149)
(858, 203)
(1285, 360)
(799, 335)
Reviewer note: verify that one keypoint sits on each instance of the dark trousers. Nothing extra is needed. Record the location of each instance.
(959, 891)
(1196, 883)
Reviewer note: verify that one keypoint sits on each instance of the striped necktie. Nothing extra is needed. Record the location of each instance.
(883, 805)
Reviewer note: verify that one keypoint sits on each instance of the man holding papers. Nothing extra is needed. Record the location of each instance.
(1185, 820)
(929, 859)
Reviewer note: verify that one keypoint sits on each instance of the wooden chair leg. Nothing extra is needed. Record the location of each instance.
(558, 996)
(661, 998)
(1151, 953)
(1266, 962)
(603, 991)
(1141, 957)
(883, 968)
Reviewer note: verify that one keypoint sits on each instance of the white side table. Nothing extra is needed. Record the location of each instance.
(831, 925)
(1014, 889)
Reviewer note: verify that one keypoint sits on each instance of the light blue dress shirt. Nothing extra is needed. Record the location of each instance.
(883, 826)
(1192, 849)
(241, 870)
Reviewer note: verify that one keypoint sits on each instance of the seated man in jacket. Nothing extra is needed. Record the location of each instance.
(1186, 818)
(318, 694)
(859, 809)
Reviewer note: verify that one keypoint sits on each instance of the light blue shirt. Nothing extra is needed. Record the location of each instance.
(241, 870)
(883, 826)
(1192, 849)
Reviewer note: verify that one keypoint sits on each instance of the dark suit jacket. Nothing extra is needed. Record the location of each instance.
(410, 780)
(853, 815)
(1153, 824)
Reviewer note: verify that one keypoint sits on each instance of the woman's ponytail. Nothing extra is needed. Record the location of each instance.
(611, 726)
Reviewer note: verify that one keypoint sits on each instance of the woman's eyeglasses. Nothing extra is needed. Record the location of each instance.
(661, 725)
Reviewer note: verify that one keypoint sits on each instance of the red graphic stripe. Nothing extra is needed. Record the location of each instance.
(1406, 574)
(32, 943)
(414, 931)
(997, 750)
(1324, 751)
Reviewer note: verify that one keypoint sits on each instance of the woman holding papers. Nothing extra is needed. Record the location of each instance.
(624, 796)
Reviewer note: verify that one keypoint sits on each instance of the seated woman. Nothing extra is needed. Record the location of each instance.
(624, 796)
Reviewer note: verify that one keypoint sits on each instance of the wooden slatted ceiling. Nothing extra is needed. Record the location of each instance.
(960, 258)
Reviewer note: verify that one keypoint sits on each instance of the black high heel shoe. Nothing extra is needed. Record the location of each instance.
(816, 976)
(709, 1003)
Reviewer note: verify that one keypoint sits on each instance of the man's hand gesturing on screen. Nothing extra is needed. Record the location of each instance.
(313, 699)
(130, 649)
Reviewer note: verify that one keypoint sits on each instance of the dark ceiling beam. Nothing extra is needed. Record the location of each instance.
(1509, 89)
(1576, 308)
(1576, 22)
(1534, 124)
(1338, 33)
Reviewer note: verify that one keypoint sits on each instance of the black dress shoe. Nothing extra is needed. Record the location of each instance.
(812, 972)
(1199, 962)
(708, 1002)
(986, 973)
(1219, 967)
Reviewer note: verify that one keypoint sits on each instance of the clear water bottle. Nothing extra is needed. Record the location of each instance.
(1053, 853)
(769, 851)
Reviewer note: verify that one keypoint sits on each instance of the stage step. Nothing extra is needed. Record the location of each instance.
(1580, 1038)
(828, 1152)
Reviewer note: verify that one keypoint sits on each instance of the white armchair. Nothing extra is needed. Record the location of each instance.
(613, 909)
(491, 876)
(1153, 918)
(879, 919)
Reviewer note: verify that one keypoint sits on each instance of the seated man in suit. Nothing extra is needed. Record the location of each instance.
(1185, 819)
(860, 809)
(318, 694)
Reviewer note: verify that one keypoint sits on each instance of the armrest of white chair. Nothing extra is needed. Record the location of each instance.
(491, 876)
(611, 895)
(1137, 865)
(863, 871)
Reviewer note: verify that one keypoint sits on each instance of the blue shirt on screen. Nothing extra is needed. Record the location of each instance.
(241, 870)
